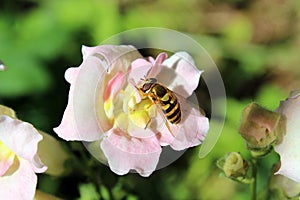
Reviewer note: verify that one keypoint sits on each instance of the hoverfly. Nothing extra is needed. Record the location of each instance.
(163, 97)
(175, 110)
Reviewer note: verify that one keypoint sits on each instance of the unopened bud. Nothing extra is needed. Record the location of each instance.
(261, 128)
(233, 165)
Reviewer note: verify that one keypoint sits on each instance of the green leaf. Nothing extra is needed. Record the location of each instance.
(88, 192)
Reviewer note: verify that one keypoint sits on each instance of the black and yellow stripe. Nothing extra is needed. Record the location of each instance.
(171, 108)
(168, 103)
(165, 98)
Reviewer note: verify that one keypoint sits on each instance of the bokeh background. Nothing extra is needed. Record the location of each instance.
(255, 44)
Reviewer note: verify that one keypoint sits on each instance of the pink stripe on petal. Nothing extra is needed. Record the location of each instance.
(160, 58)
(114, 86)
(157, 65)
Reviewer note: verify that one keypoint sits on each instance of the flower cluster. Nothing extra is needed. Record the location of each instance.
(105, 105)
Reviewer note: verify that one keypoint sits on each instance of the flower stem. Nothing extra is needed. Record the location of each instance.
(254, 176)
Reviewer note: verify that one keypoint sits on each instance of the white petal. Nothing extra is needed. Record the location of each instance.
(289, 148)
(19, 182)
(180, 74)
(22, 138)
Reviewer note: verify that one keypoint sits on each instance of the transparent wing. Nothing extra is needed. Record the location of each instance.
(192, 128)
(212, 135)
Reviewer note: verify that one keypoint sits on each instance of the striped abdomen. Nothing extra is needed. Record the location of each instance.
(168, 102)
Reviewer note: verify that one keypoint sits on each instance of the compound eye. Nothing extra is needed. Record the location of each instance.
(146, 87)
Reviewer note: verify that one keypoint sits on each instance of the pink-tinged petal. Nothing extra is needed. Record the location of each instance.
(84, 118)
(114, 86)
(67, 128)
(126, 153)
(160, 58)
(288, 149)
(180, 74)
(191, 131)
(80, 116)
(157, 65)
(138, 70)
(21, 138)
(71, 74)
(19, 182)
(111, 53)
(151, 60)
(6, 158)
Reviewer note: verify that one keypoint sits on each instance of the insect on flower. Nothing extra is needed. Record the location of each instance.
(167, 101)
(163, 97)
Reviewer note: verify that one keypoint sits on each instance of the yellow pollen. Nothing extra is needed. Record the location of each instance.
(109, 108)
(140, 118)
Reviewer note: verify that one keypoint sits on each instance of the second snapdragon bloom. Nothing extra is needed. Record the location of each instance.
(105, 105)
(288, 148)
(19, 159)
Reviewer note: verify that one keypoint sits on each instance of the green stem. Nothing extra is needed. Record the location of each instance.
(254, 176)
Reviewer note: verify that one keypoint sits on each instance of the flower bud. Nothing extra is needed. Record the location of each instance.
(7, 111)
(233, 165)
(261, 128)
(52, 154)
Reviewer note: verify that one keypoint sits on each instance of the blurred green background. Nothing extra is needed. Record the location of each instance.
(255, 44)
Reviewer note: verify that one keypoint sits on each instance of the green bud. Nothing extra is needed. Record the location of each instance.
(52, 154)
(233, 165)
(7, 111)
(39, 195)
(261, 128)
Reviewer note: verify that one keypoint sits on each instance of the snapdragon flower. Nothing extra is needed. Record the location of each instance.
(104, 105)
(19, 160)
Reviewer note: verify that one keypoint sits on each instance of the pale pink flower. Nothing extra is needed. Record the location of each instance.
(105, 105)
(18, 157)
(288, 149)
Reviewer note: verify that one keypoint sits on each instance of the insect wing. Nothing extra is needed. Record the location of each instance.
(190, 131)
(212, 135)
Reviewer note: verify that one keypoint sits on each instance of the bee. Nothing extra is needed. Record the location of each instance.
(164, 98)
